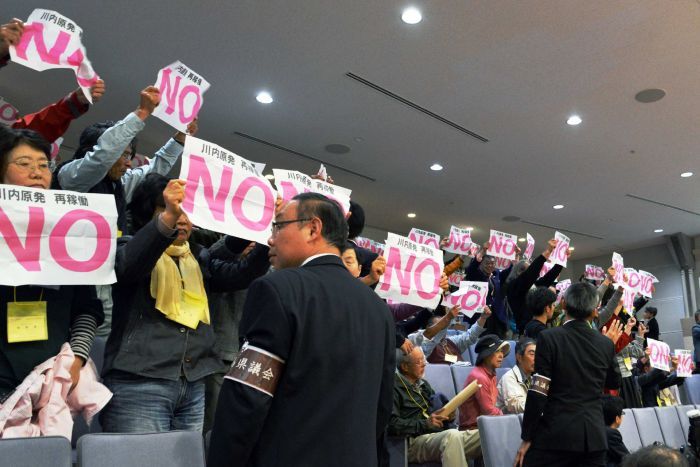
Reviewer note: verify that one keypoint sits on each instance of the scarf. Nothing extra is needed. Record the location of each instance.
(188, 305)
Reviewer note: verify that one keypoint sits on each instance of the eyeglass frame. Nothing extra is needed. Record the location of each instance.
(277, 226)
(32, 166)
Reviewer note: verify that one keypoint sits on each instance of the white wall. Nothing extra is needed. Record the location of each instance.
(668, 297)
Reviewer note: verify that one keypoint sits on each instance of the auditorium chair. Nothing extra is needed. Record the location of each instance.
(500, 439)
(629, 432)
(440, 378)
(671, 427)
(48, 451)
(647, 426)
(459, 374)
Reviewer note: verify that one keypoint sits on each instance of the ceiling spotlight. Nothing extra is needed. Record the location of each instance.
(687, 174)
(436, 167)
(571, 248)
(558, 206)
(574, 120)
(411, 15)
(469, 228)
(264, 97)
(270, 177)
(521, 239)
(411, 215)
(658, 230)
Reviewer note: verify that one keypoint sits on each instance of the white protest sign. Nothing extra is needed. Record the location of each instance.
(225, 193)
(546, 267)
(594, 272)
(323, 173)
(685, 363)
(647, 281)
(618, 264)
(8, 113)
(412, 273)
(561, 251)
(660, 354)
(181, 91)
(502, 263)
(362, 242)
(455, 278)
(502, 245)
(423, 237)
(377, 248)
(530, 248)
(561, 289)
(460, 241)
(54, 237)
(290, 183)
(55, 146)
(628, 296)
(470, 297)
(634, 280)
(474, 249)
(51, 40)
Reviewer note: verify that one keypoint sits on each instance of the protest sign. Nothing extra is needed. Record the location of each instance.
(51, 40)
(290, 183)
(54, 237)
(474, 249)
(561, 251)
(647, 281)
(55, 147)
(455, 278)
(594, 272)
(412, 273)
(423, 237)
(225, 193)
(546, 267)
(362, 242)
(8, 113)
(181, 95)
(660, 354)
(561, 289)
(685, 363)
(470, 297)
(502, 263)
(502, 245)
(634, 280)
(618, 264)
(530, 248)
(628, 296)
(459, 241)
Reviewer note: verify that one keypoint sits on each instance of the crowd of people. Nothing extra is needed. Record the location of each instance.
(284, 351)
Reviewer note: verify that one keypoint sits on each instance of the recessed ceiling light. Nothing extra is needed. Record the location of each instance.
(436, 167)
(658, 230)
(558, 206)
(469, 228)
(687, 174)
(411, 15)
(264, 97)
(411, 215)
(571, 248)
(574, 120)
(521, 239)
(270, 177)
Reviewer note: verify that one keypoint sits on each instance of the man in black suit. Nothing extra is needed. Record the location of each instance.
(563, 421)
(312, 385)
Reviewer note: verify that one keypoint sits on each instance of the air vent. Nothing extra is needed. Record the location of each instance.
(659, 203)
(582, 234)
(427, 112)
(305, 156)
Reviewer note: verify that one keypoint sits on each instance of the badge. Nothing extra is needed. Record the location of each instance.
(26, 322)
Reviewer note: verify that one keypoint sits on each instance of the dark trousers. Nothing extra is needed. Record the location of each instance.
(546, 458)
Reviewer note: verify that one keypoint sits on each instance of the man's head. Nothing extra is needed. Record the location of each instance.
(349, 258)
(308, 225)
(655, 456)
(89, 138)
(488, 265)
(580, 300)
(525, 354)
(650, 312)
(612, 410)
(356, 221)
(491, 350)
(412, 366)
(540, 301)
(697, 316)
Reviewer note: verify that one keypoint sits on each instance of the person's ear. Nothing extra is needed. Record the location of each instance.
(315, 227)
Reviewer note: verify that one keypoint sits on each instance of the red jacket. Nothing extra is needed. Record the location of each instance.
(52, 121)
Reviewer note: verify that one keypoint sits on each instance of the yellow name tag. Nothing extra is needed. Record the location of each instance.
(450, 358)
(26, 322)
(119, 233)
(628, 363)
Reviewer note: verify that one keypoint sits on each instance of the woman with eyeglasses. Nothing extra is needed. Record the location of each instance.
(70, 313)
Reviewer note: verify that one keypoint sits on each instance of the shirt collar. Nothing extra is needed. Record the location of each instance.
(311, 258)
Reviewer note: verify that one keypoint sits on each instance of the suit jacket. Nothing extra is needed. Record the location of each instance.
(580, 362)
(333, 399)
(616, 447)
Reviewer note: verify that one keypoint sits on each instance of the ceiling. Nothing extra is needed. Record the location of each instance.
(511, 71)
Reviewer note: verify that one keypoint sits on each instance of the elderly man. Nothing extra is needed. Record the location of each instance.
(563, 422)
(413, 416)
(312, 383)
(513, 386)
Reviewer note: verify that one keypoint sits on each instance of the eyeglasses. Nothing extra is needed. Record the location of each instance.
(128, 156)
(29, 166)
(277, 226)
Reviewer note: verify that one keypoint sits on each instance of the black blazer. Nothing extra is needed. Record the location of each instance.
(580, 362)
(334, 398)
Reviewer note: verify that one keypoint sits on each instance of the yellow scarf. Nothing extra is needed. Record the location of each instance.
(186, 306)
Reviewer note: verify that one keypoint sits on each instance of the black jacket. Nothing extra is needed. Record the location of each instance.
(143, 341)
(654, 381)
(616, 447)
(517, 289)
(334, 396)
(580, 362)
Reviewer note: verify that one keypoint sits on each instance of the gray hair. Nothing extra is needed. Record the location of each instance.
(581, 299)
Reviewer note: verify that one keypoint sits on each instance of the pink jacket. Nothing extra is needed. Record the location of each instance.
(43, 406)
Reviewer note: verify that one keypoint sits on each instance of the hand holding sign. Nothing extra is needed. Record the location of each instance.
(97, 90)
(149, 99)
(10, 34)
(173, 195)
(660, 354)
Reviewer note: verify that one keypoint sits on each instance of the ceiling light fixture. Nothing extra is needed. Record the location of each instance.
(571, 248)
(436, 167)
(558, 206)
(264, 97)
(658, 230)
(687, 174)
(411, 15)
(521, 239)
(411, 215)
(574, 120)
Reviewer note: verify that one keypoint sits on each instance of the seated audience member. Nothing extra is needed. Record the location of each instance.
(72, 312)
(413, 416)
(447, 349)
(612, 414)
(162, 345)
(540, 304)
(655, 456)
(356, 223)
(513, 386)
(491, 350)
(654, 383)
